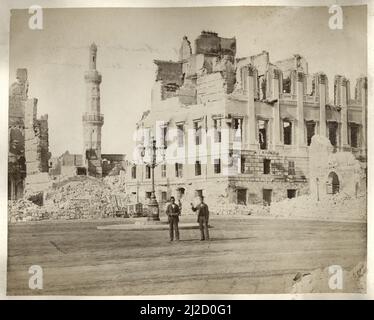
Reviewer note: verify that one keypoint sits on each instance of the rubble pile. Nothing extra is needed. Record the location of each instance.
(340, 206)
(223, 207)
(116, 183)
(319, 281)
(25, 210)
(239, 209)
(76, 198)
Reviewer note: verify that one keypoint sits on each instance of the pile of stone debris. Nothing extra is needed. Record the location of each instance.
(339, 206)
(222, 207)
(25, 210)
(239, 209)
(75, 198)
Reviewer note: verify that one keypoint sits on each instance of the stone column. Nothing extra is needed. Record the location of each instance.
(344, 112)
(322, 81)
(300, 134)
(276, 110)
(251, 109)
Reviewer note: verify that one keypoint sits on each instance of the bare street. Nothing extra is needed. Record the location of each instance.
(245, 255)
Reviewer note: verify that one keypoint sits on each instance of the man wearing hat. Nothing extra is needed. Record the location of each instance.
(173, 212)
(202, 217)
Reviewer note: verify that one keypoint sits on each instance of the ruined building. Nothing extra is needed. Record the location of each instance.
(271, 111)
(16, 139)
(28, 141)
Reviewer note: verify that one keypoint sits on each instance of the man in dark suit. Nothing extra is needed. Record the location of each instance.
(202, 218)
(173, 212)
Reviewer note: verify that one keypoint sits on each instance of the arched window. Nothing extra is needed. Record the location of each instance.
(333, 183)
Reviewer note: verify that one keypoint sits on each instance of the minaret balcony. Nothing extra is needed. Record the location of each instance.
(93, 118)
(93, 76)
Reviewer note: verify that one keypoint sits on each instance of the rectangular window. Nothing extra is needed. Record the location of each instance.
(262, 134)
(197, 128)
(266, 196)
(197, 168)
(237, 125)
(147, 172)
(310, 131)
(354, 136)
(267, 166)
(333, 129)
(180, 135)
(179, 170)
(291, 193)
(217, 124)
(133, 172)
(217, 165)
(164, 196)
(163, 171)
(291, 168)
(242, 164)
(287, 132)
(286, 83)
(242, 196)
(148, 195)
(199, 193)
(164, 131)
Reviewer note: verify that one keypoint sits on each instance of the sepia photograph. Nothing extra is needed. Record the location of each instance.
(218, 150)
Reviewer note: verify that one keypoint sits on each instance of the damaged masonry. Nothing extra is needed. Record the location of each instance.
(70, 186)
(183, 160)
(293, 142)
(280, 115)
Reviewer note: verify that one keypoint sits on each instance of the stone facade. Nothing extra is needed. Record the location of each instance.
(271, 110)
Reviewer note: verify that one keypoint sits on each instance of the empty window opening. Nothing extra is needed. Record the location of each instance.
(291, 193)
(241, 196)
(267, 163)
(180, 135)
(217, 165)
(266, 196)
(197, 168)
(179, 170)
(287, 132)
(148, 172)
(333, 129)
(354, 136)
(291, 168)
(262, 134)
(310, 131)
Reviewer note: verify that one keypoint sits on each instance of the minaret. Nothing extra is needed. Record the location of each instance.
(93, 120)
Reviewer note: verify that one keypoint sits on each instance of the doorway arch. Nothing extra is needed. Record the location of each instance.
(333, 184)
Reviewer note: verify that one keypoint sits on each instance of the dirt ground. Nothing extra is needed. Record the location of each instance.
(245, 255)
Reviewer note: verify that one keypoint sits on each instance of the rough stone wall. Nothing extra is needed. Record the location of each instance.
(16, 142)
(36, 149)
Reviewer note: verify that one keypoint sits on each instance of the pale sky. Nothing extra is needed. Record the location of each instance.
(129, 39)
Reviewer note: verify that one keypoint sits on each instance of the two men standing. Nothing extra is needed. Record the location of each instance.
(173, 212)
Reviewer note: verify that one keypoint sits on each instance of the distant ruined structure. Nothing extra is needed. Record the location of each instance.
(270, 109)
(28, 141)
(32, 170)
